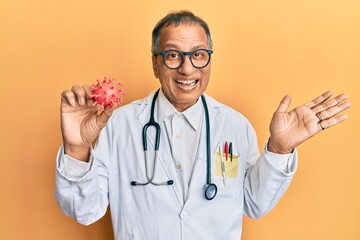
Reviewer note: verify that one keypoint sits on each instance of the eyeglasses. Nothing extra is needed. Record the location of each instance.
(173, 59)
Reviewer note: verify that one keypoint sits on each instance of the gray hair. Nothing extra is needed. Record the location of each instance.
(185, 17)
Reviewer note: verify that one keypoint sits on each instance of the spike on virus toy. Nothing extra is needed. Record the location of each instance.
(106, 93)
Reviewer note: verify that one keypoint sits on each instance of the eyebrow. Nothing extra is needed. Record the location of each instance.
(174, 46)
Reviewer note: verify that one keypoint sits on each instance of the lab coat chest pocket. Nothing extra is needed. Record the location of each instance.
(228, 175)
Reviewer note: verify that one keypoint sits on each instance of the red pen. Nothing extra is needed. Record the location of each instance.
(226, 150)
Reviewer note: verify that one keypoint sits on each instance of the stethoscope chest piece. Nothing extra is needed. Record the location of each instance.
(210, 191)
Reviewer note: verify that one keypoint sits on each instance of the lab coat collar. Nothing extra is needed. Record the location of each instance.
(213, 106)
(211, 102)
(193, 114)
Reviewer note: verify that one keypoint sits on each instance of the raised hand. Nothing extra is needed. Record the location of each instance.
(81, 122)
(289, 129)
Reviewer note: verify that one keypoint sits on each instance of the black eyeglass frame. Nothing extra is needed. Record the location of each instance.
(183, 54)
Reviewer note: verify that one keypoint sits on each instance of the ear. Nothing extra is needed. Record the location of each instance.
(155, 66)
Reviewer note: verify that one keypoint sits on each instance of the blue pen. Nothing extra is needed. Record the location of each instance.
(230, 151)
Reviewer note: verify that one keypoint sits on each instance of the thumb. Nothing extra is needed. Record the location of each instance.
(105, 115)
(284, 104)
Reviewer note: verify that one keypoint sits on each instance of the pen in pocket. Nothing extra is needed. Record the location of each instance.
(230, 151)
(222, 166)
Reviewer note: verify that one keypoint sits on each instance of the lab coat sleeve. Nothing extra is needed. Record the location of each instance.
(81, 189)
(71, 168)
(265, 182)
(283, 162)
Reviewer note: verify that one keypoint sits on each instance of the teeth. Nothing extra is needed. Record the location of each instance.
(189, 83)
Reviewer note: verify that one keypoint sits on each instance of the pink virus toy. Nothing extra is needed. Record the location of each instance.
(106, 93)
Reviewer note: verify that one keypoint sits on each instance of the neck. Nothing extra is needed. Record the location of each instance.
(179, 106)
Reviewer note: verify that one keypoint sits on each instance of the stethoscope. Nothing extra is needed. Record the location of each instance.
(210, 189)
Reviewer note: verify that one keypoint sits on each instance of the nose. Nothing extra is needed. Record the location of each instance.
(186, 68)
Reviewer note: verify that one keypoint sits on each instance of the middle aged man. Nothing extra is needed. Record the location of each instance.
(206, 171)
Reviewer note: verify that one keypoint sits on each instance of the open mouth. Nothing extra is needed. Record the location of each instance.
(187, 83)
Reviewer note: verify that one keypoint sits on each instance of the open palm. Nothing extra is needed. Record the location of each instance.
(289, 129)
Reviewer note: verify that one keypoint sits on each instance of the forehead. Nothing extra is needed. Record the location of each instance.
(184, 37)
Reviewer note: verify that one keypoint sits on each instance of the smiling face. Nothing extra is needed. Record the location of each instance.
(182, 86)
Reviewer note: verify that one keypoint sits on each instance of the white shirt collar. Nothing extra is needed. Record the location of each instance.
(193, 114)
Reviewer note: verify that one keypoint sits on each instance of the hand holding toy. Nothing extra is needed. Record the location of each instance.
(80, 122)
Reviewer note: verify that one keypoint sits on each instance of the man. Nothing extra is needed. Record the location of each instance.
(160, 194)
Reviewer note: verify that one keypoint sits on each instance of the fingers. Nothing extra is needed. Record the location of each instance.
(68, 97)
(88, 94)
(330, 103)
(284, 104)
(319, 100)
(332, 107)
(331, 122)
(332, 111)
(77, 95)
(105, 115)
(327, 112)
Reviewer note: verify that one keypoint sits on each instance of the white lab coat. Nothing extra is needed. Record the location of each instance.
(159, 212)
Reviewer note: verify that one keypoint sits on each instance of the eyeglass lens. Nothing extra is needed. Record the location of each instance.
(174, 59)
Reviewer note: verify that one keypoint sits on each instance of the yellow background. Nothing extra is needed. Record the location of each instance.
(262, 50)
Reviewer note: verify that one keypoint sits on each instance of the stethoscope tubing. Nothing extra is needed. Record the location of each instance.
(210, 189)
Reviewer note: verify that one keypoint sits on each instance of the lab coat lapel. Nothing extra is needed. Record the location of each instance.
(199, 174)
(164, 154)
